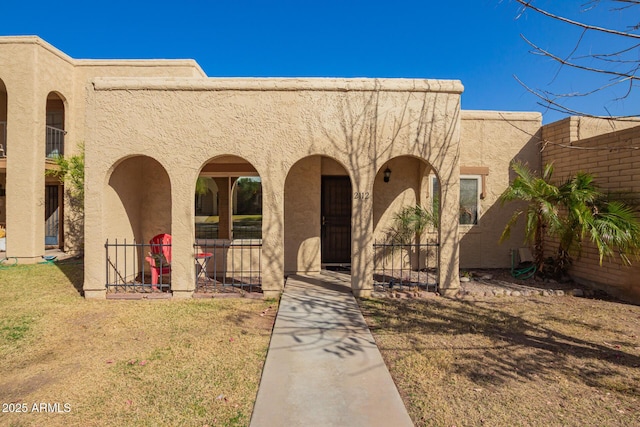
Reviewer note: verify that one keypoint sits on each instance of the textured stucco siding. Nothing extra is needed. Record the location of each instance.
(301, 215)
(494, 140)
(29, 75)
(403, 189)
(183, 125)
(30, 70)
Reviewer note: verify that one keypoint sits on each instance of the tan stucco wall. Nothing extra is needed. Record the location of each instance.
(272, 124)
(29, 74)
(301, 216)
(403, 189)
(491, 141)
(138, 190)
(30, 69)
(494, 140)
(302, 204)
(616, 169)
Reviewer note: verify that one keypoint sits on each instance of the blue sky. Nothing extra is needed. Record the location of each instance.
(475, 41)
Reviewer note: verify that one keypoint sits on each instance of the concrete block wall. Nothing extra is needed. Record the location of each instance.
(613, 158)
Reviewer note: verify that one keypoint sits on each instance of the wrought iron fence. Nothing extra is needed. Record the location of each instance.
(398, 266)
(228, 266)
(55, 142)
(137, 267)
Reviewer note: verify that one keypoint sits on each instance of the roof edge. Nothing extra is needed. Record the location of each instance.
(39, 42)
(35, 40)
(280, 84)
(501, 115)
(141, 63)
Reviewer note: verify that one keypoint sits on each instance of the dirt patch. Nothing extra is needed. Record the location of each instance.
(13, 388)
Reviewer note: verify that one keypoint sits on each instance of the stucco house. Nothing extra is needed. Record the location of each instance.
(329, 161)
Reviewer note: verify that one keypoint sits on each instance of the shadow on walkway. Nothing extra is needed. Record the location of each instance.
(323, 366)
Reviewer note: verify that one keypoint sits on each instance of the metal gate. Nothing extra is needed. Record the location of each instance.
(398, 266)
(51, 216)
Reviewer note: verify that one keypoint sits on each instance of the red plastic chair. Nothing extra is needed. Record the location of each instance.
(160, 257)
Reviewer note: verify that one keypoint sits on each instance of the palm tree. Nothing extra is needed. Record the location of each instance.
(542, 209)
(571, 212)
(201, 186)
(408, 226)
(410, 223)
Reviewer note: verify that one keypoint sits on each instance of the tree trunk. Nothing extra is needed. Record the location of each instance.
(538, 248)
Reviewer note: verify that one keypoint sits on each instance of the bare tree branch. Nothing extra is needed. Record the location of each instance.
(551, 104)
(528, 5)
(625, 76)
(621, 65)
(605, 56)
(545, 142)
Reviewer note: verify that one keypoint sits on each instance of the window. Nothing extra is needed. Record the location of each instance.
(470, 186)
(469, 199)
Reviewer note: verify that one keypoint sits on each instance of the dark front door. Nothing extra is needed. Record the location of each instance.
(336, 220)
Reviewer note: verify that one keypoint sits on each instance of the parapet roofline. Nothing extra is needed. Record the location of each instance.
(279, 84)
(101, 62)
(500, 115)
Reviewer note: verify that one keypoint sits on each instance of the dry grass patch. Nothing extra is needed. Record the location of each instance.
(163, 362)
(560, 361)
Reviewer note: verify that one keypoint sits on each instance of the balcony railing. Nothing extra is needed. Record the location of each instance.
(3, 139)
(55, 142)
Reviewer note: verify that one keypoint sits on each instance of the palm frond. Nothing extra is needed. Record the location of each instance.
(506, 233)
(572, 212)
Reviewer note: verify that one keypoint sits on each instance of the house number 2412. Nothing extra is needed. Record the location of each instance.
(361, 196)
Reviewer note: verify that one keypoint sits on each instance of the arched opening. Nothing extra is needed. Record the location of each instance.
(136, 208)
(55, 121)
(228, 226)
(137, 200)
(405, 219)
(317, 216)
(54, 188)
(3, 166)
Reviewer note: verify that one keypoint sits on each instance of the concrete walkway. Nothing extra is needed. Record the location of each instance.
(323, 367)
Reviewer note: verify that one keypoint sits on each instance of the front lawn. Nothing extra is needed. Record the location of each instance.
(163, 362)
